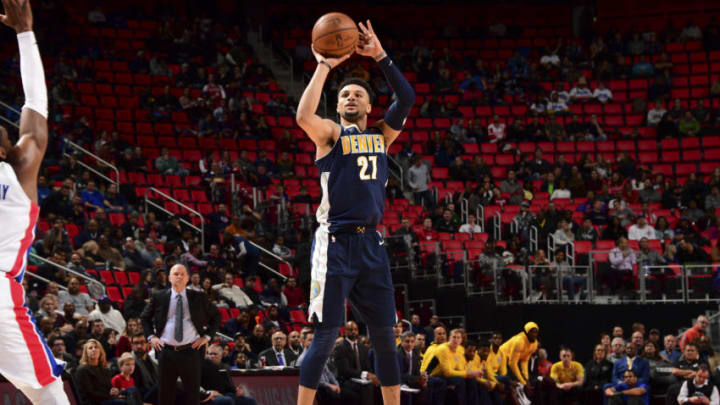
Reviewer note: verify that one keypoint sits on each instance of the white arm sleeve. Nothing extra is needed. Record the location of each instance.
(32, 73)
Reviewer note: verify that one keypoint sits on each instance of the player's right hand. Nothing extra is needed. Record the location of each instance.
(18, 15)
(330, 61)
(373, 378)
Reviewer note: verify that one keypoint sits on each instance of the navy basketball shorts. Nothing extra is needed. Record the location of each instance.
(353, 265)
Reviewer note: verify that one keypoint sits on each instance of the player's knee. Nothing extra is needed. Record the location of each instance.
(316, 356)
(386, 365)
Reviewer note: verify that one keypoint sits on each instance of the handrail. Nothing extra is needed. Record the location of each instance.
(9, 107)
(192, 211)
(94, 170)
(99, 159)
(61, 267)
(9, 121)
(41, 278)
(270, 269)
(268, 252)
(401, 177)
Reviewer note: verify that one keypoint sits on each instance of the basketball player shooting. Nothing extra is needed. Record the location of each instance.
(349, 260)
(26, 360)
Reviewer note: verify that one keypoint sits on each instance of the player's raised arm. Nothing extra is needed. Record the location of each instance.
(33, 141)
(320, 130)
(369, 45)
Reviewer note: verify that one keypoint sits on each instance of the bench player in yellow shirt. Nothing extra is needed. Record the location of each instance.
(569, 376)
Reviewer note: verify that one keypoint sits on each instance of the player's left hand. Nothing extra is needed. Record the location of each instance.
(368, 43)
(199, 342)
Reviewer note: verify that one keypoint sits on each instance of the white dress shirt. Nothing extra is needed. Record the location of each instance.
(189, 331)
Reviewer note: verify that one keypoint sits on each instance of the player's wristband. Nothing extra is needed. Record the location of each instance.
(380, 57)
(322, 62)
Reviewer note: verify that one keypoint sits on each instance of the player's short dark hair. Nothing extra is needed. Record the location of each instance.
(703, 367)
(483, 343)
(360, 82)
(471, 342)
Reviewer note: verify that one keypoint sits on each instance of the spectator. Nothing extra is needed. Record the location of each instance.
(595, 132)
(655, 115)
(496, 130)
(167, 164)
(446, 224)
(563, 236)
(229, 290)
(92, 199)
(514, 189)
(555, 105)
(688, 125)
(258, 341)
(647, 256)
(671, 354)
(602, 93)
(598, 372)
(124, 381)
(622, 260)
(697, 331)
(690, 32)
(631, 391)
(93, 381)
(699, 390)
(560, 191)
(631, 362)
(82, 302)
(418, 180)
(569, 376)
(570, 279)
(278, 354)
(581, 92)
(57, 346)
(471, 226)
(685, 369)
(641, 229)
(712, 200)
(587, 231)
(110, 316)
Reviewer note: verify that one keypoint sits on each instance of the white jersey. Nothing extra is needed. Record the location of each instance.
(18, 216)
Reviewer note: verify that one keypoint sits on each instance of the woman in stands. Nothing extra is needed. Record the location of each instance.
(93, 378)
(123, 342)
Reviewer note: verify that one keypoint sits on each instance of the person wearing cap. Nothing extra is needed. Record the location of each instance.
(641, 229)
(111, 317)
(517, 352)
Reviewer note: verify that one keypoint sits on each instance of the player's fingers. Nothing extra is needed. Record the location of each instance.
(363, 28)
(370, 28)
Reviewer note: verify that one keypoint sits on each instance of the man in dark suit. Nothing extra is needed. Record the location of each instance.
(631, 361)
(409, 360)
(216, 381)
(352, 361)
(179, 323)
(278, 354)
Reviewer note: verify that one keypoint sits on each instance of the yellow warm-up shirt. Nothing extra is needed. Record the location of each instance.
(495, 360)
(517, 350)
(485, 367)
(450, 364)
(429, 355)
(562, 374)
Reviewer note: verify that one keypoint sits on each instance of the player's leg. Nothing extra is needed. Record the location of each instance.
(26, 360)
(373, 296)
(331, 282)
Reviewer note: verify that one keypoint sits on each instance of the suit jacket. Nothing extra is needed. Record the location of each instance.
(640, 366)
(271, 358)
(345, 361)
(204, 315)
(409, 376)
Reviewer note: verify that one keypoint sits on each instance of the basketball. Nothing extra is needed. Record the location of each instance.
(334, 35)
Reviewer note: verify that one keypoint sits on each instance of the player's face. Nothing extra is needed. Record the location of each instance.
(353, 103)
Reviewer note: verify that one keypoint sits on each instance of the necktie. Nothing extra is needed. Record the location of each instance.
(357, 356)
(179, 319)
(281, 361)
(409, 362)
(630, 362)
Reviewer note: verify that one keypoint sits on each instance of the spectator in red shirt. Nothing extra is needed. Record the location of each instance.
(697, 331)
(427, 232)
(544, 365)
(124, 380)
(294, 294)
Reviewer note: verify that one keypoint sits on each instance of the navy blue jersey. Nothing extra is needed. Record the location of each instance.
(353, 177)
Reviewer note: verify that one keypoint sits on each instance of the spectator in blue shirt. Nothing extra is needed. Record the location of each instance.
(628, 392)
(43, 189)
(671, 354)
(91, 197)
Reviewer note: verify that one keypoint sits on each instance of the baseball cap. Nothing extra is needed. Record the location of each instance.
(525, 204)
